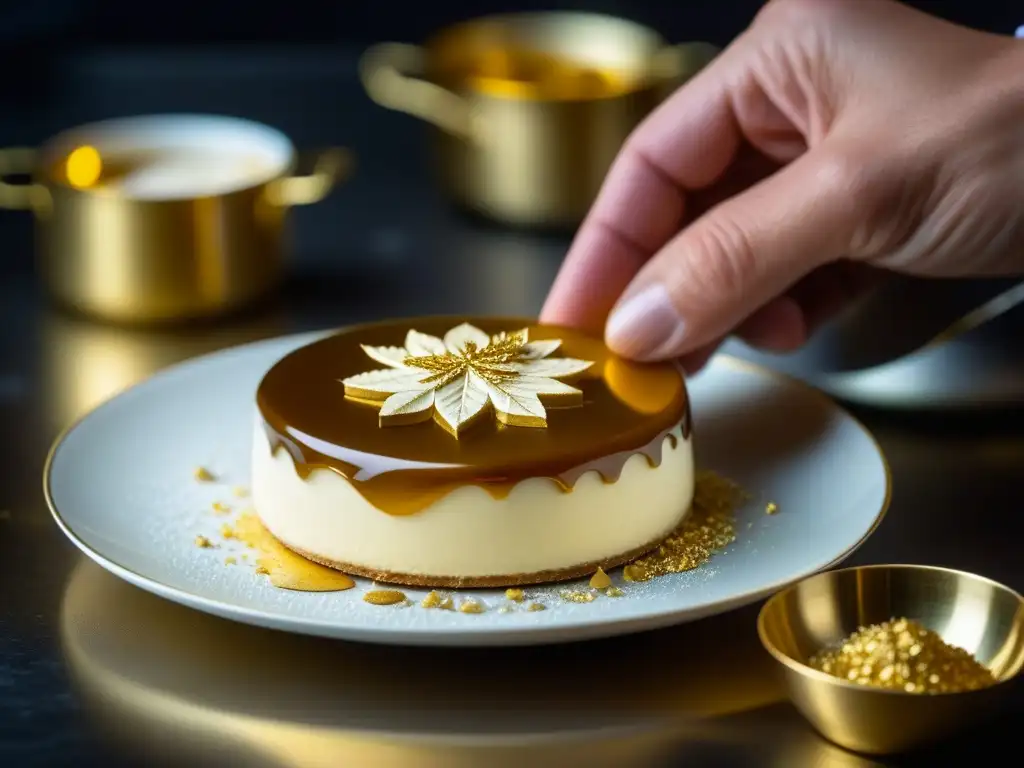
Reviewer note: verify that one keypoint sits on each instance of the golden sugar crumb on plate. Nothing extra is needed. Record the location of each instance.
(230, 560)
(432, 600)
(578, 596)
(614, 592)
(384, 597)
(710, 527)
(600, 580)
(204, 543)
(203, 475)
(469, 605)
(536, 607)
(240, 492)
(515, 595)
(771, 508)
(221, 508)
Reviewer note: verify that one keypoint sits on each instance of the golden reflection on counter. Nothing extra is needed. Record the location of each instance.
(169, 679)
(86, 362)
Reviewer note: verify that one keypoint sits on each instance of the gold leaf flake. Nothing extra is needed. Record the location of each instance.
(459, 337)
(516, 407)
(393, 357)
(409, 407)
(551, 391)
(535, 350)
(382, 383)
(555, 368)
(423, 345)
(460, 403)
(457, 379)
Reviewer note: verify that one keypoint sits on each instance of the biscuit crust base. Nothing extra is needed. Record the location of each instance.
(483, 582)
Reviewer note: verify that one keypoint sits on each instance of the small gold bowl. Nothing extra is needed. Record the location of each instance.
(974, 613)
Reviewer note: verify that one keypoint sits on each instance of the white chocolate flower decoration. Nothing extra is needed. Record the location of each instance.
(457, 379)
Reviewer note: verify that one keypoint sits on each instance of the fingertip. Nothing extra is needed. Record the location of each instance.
(646, 326)
(597, 269)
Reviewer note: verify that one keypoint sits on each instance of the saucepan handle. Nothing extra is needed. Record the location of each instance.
(19, 197)
(329, 167)
(392, 74)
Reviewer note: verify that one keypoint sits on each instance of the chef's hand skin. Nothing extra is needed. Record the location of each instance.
(834, 140)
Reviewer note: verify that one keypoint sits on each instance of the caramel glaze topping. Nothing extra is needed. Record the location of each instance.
(628, 408)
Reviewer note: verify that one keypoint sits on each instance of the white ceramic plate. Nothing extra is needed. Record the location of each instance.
(120, 485)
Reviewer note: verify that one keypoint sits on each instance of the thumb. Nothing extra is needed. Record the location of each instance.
(745, 252)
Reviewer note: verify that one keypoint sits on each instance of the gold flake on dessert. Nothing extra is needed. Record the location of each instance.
(456, 379)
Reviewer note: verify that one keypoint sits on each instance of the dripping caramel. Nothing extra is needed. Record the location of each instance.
(627, 409)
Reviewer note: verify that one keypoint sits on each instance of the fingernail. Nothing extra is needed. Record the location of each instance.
(646, 326)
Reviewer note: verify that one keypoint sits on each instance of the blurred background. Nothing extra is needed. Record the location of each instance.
(67, 61)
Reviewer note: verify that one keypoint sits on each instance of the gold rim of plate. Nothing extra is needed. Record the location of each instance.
(729, 360)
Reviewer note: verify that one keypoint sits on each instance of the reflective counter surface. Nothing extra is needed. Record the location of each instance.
(96, 672)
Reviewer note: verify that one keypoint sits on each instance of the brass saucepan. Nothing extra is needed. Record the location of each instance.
(530, 108)
(163, 217)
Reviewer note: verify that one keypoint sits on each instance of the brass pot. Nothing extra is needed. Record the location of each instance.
(531, 108)
(163, 217)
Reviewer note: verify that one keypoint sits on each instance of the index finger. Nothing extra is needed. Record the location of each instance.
(686, 143)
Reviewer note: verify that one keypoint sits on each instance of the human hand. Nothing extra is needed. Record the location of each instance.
(833, 140)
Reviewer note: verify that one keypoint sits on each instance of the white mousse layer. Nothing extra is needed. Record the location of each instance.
(468, 533)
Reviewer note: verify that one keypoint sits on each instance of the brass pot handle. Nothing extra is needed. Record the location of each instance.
(19, 197)
(329, 167)
(392, 76)
(676, 64)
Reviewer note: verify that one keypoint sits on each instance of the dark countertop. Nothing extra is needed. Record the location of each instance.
(94, 672)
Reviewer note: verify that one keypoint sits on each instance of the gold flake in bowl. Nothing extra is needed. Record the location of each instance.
(804, 628)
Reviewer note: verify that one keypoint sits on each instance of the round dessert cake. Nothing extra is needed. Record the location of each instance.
(470, 452)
